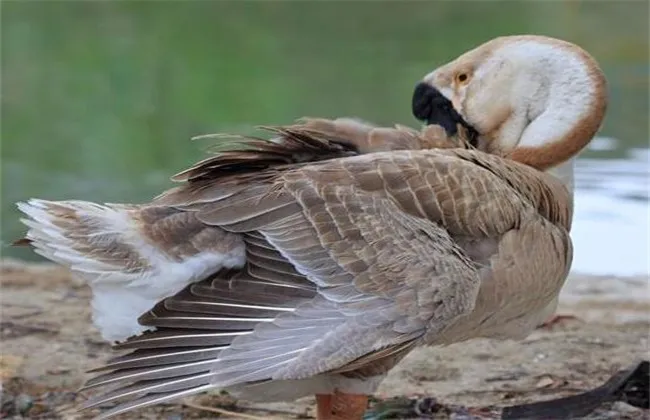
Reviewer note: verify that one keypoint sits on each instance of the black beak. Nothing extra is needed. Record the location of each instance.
(433, 107)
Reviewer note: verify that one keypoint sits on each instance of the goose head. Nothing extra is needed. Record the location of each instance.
(533, 99)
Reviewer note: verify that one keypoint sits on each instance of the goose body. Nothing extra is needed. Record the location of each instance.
(313, 263)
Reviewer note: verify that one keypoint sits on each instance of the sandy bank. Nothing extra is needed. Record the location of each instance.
(48, 342)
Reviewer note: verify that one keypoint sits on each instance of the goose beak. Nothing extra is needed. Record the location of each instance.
(432, 107)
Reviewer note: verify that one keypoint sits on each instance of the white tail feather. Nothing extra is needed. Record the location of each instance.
(127, 270)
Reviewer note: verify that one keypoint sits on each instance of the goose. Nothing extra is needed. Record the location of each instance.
(313, 262)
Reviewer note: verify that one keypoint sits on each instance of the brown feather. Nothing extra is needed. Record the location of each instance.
(353, 259)
(22, 242)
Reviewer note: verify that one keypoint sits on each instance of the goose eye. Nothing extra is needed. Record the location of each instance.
(462, 77)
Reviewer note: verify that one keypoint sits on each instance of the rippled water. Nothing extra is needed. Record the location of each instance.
(611, 229)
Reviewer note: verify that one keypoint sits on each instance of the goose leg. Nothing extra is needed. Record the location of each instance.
(341, 406)
(323, 406)
(555, 319)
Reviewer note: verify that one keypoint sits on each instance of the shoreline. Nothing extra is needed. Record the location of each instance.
(48, 342)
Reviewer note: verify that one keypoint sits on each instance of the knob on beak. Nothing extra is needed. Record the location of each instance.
(433, 107)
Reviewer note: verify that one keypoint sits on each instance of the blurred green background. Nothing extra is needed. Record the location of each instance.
(99, 99)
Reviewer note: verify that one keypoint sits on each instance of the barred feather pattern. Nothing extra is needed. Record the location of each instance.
(345, 260)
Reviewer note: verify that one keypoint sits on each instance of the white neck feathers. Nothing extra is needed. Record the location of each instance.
(566, 96)
(566, 104)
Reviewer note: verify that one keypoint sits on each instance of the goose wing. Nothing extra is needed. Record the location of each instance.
(384, 277)
(349, 261)
(380, 279)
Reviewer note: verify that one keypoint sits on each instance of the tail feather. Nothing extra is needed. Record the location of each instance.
(131, 256)
(172, 362)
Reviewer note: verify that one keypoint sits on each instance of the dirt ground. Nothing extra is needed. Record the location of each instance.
(48, 343)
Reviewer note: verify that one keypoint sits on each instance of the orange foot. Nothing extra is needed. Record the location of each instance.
(556, 319)
(340, 406)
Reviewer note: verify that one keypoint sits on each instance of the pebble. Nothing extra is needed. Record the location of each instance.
(23, 403)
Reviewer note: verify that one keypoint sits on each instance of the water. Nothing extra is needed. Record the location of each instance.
(611, 227)
(99, 99)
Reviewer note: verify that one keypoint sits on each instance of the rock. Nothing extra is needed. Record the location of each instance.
(23, 403)
(9, 366)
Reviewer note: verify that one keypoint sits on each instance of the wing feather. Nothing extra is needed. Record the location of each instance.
(350, 264)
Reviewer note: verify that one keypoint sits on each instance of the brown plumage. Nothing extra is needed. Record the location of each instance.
(350, 261)
(313, 262)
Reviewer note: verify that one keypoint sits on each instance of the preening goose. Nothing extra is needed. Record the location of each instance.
(312, 264)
